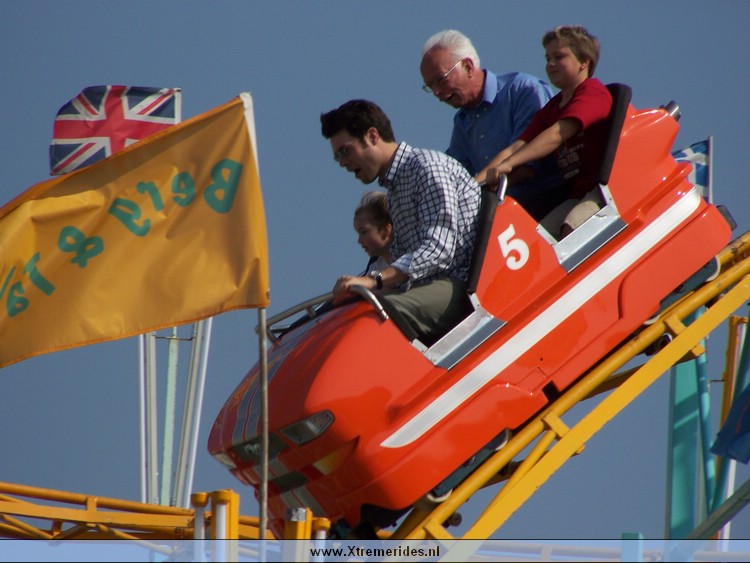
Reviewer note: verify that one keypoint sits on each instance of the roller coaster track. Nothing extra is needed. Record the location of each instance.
(33, 513)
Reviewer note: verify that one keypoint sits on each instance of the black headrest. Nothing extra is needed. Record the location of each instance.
(621, 95)
(487, 209)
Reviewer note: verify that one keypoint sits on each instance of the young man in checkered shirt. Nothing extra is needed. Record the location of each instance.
(434, 204)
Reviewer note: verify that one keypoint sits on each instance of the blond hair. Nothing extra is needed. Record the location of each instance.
(584, 45)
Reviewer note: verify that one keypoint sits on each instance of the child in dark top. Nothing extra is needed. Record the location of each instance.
(571, 127)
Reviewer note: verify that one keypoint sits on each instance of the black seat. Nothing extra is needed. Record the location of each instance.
(486, 217)
(621, 95)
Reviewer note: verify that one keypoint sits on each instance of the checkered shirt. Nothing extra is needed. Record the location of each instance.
(434, 204)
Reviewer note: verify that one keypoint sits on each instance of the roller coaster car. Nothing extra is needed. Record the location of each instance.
(364, 420)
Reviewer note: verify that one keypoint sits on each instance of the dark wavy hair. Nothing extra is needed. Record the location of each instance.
(356, 117)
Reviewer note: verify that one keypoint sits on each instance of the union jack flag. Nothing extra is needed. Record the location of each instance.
(102, 120)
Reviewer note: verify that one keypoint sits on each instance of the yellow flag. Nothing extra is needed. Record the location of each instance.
(168, 231)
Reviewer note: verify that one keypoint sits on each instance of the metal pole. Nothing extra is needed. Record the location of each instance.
(704, 407)
(199, 501)
(710, 164)
(723, 514)
(220, 531)
(152, 488)
(263, 356)
(142, 415)
(192, 412)
(727, 467)
(689, 427)
(168, 447)
(682, 462)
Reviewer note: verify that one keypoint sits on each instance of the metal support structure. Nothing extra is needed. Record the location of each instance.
(148, 420)
(689, 461)
(263, 358)
(167, 454)
(726, 467)
(723, 514)
(142, 419)
(192, 412)
(225, 525)
(707, 458)
(177, 494)
(682, 457)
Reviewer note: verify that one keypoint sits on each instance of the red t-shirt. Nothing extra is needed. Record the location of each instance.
(579, 157)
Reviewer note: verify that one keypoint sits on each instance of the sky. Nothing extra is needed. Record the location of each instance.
(69, 419)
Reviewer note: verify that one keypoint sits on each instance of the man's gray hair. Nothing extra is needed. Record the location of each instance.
(456, 42)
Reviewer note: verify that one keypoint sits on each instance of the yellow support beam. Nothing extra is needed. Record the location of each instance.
(27, 513)
(133, 520)
(226, 514)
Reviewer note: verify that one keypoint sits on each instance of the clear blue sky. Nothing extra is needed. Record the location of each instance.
(70, 420)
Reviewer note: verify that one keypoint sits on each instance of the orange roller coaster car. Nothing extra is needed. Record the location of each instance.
(365, 420)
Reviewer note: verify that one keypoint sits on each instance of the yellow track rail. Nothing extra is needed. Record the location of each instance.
(36, 513)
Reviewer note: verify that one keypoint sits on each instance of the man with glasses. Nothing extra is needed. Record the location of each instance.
(434, 205)
(493, 110)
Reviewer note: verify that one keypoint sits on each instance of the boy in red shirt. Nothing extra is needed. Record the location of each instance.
(571, 125)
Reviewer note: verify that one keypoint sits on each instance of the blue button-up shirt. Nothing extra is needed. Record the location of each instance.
(508, 104)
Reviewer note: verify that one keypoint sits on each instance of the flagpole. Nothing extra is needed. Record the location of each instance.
(142, 415)
(149, 409)
(263, 359)
(710, 188)
(169, 418)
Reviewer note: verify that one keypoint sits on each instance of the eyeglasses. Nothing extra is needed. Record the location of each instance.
(343, 151)
(429, 88)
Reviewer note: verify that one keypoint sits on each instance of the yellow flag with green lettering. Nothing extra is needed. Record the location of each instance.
(168, 231)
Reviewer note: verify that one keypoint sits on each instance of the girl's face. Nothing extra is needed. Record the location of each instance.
(375, 241)
(564, 69)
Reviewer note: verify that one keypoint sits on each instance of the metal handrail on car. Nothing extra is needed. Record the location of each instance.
(309, 307)
(502, 187)
(370, 297)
